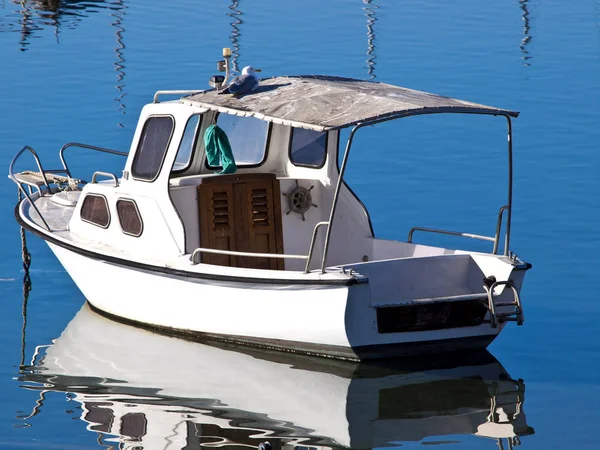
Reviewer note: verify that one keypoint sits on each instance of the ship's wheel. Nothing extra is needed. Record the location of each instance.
(299, 200)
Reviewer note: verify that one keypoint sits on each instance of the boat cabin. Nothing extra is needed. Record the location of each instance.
(283, 204)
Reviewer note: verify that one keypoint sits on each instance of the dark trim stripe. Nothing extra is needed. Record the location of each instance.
(181, 273)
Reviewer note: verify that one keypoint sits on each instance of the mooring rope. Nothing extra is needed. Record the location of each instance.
(26, 258)
(25, 255)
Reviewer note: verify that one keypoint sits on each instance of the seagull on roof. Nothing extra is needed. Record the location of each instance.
(244, 84)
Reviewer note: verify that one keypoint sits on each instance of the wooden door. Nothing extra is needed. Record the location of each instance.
(242, 213)
(217, 222)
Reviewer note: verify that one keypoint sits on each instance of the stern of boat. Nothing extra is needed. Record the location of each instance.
(436, 303)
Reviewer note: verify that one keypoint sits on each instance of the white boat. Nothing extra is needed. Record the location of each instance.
(281, 253)
(135, 388)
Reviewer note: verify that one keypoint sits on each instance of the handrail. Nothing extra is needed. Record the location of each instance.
(105, 174)
(236, 253)
(495, 239)
(308, 257)
(11, 175)
(85, 146)
(175, 92)
(452, 233)
(498, 228)
(312, 243)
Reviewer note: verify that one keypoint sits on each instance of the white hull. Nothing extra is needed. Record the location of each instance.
(334, 321)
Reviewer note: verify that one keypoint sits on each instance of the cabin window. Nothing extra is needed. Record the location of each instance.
(95, 210)
(248, 137)
(129, 217)
(308, 148)
(152, 147)
(188, 143)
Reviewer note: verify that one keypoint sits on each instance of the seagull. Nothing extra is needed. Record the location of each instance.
(244, 84)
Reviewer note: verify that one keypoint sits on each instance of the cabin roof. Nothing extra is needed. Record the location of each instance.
(326, 103)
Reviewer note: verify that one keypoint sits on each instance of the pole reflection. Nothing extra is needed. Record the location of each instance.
(526, 56)
(236, 15)
(36, 15)
(118, 13)
(369, 10)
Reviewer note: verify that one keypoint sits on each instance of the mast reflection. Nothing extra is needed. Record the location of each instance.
(524, 5)
(236, 15)
(118, 13)
(35, 15)
(137, 389)
(369, 10)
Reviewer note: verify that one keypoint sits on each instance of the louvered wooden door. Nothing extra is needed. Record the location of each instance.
(241, 213)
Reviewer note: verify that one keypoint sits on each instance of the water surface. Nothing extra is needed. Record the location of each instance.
(81, 71)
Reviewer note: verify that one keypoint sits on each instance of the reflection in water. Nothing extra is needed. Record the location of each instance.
(34, 15)
(137, 389)
(371, 19)
(524, 4)
(118, 13)
(26, 259)
(236, 15)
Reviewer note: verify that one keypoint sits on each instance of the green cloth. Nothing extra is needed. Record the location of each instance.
(218, 149)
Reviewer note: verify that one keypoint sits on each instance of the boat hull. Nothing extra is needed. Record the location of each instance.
(326, 320)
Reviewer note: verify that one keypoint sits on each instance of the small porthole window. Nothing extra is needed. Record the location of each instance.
(129, 217)
(308, 148)
(95, 210)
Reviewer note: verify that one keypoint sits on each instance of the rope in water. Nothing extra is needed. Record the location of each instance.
(26, 257)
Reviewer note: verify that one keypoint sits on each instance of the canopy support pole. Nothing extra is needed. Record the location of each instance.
(336, 195)
(510, 188)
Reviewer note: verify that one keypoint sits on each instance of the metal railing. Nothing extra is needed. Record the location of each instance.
(44, 172)
(494, 239)
(107, 175)
(176, 92)
(11, 175)
(61, 152)
(308, 257)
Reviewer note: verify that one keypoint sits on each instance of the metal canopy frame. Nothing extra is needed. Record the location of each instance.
(356, 127)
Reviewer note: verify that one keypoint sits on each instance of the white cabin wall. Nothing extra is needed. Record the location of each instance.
(297, 234)
(351, 232)
(185, 200)
(156, 240)
(163, 233)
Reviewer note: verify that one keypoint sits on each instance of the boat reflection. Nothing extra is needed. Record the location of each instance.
(137, 389)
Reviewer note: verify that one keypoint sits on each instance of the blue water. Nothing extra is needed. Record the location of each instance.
(81, 71)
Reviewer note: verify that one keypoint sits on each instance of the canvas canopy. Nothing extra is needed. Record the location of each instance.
(327, 103)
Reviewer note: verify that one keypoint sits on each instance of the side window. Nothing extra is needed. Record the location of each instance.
(152, 147)
(308, 148)
(247, 136)
(188, 142)
(95, 210)
(129, 217)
